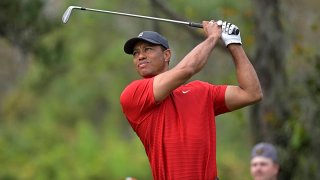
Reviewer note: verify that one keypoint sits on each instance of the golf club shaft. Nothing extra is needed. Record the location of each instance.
(192, 24)
(67, 14)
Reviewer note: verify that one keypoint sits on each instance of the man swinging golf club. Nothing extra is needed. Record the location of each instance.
(175, 119)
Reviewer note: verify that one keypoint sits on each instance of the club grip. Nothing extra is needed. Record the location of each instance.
(199, 25)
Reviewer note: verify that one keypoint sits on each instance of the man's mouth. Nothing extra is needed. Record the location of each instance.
(142, 64)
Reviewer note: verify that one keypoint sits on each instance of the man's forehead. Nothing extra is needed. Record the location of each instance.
(261, 159)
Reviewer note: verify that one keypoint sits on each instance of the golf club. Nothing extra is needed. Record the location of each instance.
(68, 12)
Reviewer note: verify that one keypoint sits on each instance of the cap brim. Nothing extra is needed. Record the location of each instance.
(129, 45)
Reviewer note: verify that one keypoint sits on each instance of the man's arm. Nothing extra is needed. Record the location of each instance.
(249, 90)
(192, 63)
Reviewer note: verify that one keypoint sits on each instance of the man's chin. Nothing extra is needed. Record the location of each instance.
(146, 75)
(259, 177)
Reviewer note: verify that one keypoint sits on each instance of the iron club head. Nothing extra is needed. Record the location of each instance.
(67, 13)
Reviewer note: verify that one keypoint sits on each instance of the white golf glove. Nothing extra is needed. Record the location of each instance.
(228, 33)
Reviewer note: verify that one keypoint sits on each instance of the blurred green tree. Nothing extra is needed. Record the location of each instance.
(279, 118)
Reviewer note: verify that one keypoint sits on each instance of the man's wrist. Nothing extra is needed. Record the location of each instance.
(212, 39)
(232, 46)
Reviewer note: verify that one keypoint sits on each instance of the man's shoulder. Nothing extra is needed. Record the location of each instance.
(136, 95)
(137, 84)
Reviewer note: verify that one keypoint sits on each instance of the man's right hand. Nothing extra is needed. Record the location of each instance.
(212, 29)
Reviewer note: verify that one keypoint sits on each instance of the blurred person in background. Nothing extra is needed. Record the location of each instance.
(264, 162)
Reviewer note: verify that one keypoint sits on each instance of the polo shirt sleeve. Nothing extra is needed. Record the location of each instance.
(219, 102)
(137, 99)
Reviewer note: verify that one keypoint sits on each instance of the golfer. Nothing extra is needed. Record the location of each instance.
(175, 119)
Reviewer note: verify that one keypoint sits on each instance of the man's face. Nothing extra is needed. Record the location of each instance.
(263, 168)
(149, 59)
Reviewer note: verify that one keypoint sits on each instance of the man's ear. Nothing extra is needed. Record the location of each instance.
(277, 168)
(167, 55)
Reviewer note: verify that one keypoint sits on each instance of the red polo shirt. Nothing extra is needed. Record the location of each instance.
(179, 133)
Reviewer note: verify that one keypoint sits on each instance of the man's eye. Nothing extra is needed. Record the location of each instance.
(134, 53)
(148, 48)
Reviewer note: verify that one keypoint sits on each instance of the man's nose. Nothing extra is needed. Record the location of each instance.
(141, 56)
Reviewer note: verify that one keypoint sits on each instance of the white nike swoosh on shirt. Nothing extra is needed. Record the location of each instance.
(184, 92)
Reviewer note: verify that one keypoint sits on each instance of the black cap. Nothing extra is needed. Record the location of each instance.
(149, 36)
